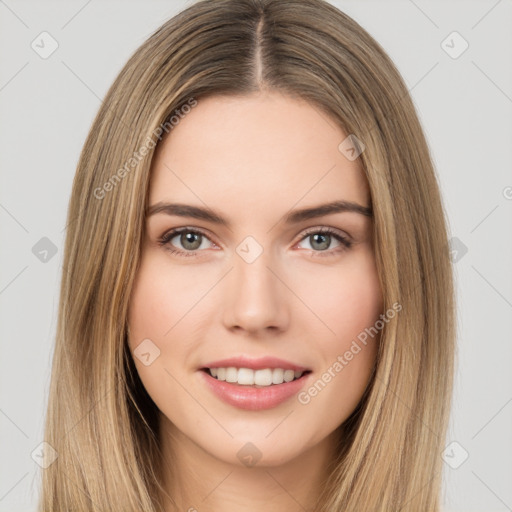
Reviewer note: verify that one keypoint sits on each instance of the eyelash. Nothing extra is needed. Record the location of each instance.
(164, 241)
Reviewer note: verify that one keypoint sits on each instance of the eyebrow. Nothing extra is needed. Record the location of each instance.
(185, 210)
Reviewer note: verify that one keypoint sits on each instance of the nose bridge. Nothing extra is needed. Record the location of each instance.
(255, 297)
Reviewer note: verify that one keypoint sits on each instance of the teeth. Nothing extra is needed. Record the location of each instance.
(277, 376)
(249, 377)
(246, 376)
(231, 374)
(263, 377)
(289, 375)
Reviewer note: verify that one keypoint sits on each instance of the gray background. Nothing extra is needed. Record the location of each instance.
(465, 104)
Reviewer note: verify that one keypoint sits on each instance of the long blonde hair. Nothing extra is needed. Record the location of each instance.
(100, 420)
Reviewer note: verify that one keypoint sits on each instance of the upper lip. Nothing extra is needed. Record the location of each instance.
(259, 363)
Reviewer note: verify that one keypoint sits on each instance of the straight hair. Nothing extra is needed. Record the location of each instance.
(100, 420)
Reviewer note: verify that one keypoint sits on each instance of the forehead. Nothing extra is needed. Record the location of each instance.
(255, 154)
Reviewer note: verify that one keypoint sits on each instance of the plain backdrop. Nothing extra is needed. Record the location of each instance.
(464, 99)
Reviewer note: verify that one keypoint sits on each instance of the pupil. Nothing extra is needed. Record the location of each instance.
(190, 238)
(323, 245)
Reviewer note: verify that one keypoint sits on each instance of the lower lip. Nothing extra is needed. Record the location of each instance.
(253, 398)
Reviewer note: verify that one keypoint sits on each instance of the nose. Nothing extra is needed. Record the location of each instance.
(255, 298)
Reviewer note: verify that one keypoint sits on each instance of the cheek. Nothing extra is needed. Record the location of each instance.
(161, 298)
(159, 302)
(346, 299)
(168, 307)
(349, 306)
(154, 311)
(356, 305)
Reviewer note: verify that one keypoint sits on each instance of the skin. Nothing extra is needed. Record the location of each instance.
(252, 159)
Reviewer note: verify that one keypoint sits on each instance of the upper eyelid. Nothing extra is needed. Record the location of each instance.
(186, 229)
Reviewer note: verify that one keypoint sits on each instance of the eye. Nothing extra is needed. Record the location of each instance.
(191, 241)
(320, 240)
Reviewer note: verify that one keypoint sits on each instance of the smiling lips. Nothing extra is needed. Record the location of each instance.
(254, 384)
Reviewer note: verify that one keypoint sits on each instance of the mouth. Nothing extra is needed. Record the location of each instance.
(261, 378)
(253, 383)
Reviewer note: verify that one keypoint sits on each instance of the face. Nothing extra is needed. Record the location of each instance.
(247, 278)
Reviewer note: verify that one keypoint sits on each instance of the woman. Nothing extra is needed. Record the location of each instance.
(257, 308)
